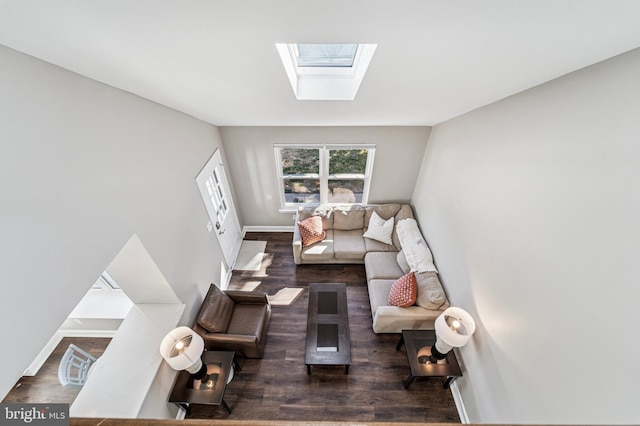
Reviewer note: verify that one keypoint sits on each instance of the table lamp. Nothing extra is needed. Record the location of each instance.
(454, 328)
(182, 349)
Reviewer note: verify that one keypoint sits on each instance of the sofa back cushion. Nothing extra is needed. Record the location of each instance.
(402, 262)
(216, 311)
(385, 211)
(348, 217)
(323, 210)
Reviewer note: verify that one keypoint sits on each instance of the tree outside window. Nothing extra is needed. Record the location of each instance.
(311, 174)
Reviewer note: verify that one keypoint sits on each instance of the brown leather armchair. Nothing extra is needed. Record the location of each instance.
(234, 321)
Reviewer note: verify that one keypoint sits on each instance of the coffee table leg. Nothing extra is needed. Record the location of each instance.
(226, 407)
(346, 369)
(308, 369)
(407, 382)
(400, 343)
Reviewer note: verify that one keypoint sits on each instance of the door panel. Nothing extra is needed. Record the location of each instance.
(216, 194)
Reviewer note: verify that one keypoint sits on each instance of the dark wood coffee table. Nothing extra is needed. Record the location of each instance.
(220, 364)
(421, 341)
(328, 340)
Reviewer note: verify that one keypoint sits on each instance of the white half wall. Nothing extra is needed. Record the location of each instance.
(83, 167)
(532, 210)
(249, 151)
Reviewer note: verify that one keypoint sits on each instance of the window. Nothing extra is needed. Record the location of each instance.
(325, 55)
(310, 174)
(325, 71)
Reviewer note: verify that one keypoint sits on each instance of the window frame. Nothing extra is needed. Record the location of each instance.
(323, 176)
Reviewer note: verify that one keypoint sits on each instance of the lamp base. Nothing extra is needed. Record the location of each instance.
(436, 355)
(209, 383)
(424, 357)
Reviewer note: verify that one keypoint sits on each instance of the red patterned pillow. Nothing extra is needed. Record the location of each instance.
(404, 291)
(311, 230)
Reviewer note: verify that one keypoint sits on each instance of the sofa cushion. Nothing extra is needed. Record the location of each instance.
(216, 310)
(311, 230)
(321, 251)
(348, 217)
(393, 319)
(374, 245)
(379, 229)
(348, 245)
(379, 293)
(385, 211)
(403, 291)
(382, 265)
(248, 319)
(402, 262)
(430, 292)
(325, 211)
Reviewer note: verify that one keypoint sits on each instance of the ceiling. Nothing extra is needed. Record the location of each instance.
(216, 60)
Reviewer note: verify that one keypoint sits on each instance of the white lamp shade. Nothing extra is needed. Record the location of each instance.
(450, 335)
(182, 348)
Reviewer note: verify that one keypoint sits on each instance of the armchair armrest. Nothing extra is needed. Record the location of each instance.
(222, 338)
(248, 296)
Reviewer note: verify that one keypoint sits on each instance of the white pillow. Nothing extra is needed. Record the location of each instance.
(380, 229)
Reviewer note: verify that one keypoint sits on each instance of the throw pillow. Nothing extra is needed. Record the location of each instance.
(311, 230)
(379, 229)
(404, 291)
(430, 292)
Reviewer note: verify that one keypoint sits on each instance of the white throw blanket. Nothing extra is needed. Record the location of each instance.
(414, 246)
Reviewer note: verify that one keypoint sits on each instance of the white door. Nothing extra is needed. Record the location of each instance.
(215, 192)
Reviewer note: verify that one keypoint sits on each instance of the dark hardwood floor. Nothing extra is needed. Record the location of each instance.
(44, 387)
(277, 387)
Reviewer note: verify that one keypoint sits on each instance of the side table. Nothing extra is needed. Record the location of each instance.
(418, 344)
(220, 366)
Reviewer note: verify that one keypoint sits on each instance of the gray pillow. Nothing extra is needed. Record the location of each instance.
(430, 292)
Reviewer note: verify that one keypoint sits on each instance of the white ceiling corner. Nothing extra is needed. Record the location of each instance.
(216, 60)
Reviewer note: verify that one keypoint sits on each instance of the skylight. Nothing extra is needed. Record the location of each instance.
(325, 55)
(325, 71)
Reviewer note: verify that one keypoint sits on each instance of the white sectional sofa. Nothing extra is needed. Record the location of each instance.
(345, 227)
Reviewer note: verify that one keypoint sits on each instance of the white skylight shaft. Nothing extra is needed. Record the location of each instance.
(324, 73)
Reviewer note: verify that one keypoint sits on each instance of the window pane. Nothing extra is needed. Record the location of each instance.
(302, 190)
(326, 55)
(347, 161)
(346, 191)
(300, 161)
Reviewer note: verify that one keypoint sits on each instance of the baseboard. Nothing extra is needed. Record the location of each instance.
(457, 398)
(266, 229)
(39, 361)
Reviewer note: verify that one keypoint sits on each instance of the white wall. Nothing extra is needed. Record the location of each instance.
(83, 167)
(251, 160)
(532, 209)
